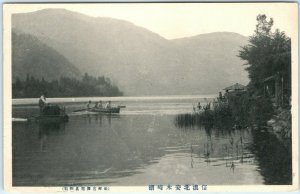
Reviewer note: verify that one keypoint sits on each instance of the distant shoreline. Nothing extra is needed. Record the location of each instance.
(29, 101)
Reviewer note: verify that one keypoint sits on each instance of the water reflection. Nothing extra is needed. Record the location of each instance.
(94, 146)
(102, 119)
(98, 149)
(246, 145)
(274, 157)
(48, 129)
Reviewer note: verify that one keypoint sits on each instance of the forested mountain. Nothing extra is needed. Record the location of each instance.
(38, 68)
(139, 61)
(32, 57)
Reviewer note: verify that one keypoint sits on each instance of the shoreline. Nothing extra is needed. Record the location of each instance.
(29, 101)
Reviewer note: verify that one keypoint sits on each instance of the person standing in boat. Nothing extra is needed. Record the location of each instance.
(42, 103)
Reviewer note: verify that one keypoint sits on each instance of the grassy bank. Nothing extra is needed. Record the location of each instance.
(239, 110)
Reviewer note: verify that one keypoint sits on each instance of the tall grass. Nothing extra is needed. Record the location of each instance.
(192, 119)
(206, 117)
(237, 110)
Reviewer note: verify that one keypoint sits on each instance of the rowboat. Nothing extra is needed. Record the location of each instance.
(106, 110)
(110, 110)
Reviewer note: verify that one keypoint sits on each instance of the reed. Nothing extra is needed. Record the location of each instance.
(235, 111)
(224, 113)
(194, 119)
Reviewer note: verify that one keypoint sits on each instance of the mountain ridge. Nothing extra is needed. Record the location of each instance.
(31, 57)
(141, 62)
(209, 34)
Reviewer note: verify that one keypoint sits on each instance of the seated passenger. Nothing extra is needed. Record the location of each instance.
(100, 105)
(108, 105)
(88, 105)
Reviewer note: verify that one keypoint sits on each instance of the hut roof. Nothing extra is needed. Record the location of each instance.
(236, 86)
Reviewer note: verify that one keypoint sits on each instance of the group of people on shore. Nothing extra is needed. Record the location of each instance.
(98, 104)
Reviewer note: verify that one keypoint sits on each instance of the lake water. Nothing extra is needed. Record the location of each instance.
(140, 146)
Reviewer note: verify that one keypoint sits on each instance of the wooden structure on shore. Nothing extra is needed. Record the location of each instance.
(234, 90)
(276, 88)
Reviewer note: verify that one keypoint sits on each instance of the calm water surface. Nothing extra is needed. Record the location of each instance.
(141, 146)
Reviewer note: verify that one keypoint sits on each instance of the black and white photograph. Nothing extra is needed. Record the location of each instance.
(151, 97)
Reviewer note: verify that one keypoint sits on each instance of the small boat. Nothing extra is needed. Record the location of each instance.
(111, 110)
(106, 110)
(52, 114)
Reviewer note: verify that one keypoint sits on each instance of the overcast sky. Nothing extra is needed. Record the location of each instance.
(177, 20)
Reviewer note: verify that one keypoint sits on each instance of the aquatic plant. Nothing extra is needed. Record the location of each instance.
(219, 115)
(237, 110)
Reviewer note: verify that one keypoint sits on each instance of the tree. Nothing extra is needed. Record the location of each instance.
(268, 53)
(263, 27)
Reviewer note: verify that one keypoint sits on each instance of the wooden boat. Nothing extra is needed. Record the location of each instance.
(106, 110)
(52, 114)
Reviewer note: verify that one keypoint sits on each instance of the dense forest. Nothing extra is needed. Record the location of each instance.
(33, 87)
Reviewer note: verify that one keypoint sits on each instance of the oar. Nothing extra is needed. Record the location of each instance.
(80, 110)
(121, 106)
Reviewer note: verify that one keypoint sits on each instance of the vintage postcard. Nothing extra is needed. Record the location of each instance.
(150, 97)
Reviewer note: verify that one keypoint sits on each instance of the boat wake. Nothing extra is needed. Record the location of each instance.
(154, 112)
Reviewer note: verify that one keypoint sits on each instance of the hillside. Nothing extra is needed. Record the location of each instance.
(31, 56)
(139, 61)
(213, 57)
